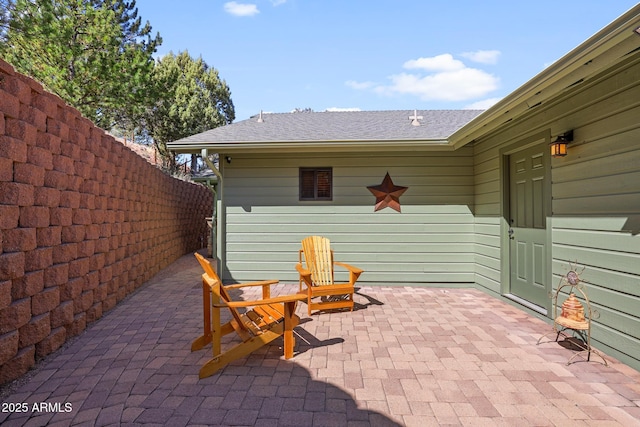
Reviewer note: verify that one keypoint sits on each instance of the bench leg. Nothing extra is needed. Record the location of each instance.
(206, 336)
(289, 340)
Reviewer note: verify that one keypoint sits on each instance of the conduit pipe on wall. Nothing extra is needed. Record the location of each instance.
(216, 190)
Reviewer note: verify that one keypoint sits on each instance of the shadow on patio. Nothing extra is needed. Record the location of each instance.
(407, 356)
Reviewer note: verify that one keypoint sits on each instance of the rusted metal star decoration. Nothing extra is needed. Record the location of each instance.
(387, 194)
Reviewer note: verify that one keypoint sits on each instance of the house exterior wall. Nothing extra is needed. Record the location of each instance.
(595, 220)
(430, 241)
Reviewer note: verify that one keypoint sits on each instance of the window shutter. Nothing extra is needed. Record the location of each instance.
(324, 184)
(307, 184)
(316, 183)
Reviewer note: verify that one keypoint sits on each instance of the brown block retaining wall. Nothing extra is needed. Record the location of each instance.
(84, 221)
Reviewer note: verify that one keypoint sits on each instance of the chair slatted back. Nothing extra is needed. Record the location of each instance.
(318, 257)
(217, 283)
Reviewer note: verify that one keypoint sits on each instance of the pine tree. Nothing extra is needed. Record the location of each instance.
(192, 99)
(96, 55)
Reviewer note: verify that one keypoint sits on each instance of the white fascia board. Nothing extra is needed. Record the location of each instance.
(313, 146)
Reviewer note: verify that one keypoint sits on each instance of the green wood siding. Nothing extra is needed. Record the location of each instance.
(452, 229)
(487, 253)
(431, 241)
(596, 201)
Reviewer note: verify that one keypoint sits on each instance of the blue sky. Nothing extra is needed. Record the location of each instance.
(278, 55)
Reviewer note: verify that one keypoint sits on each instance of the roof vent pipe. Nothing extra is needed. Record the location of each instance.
(414, 119)
(260, 120)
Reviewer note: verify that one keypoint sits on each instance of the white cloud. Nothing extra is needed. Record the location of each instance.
(483, 56)
(438, 78)
(444, 62)
(458, 85)
(241, 9)
(482, 105)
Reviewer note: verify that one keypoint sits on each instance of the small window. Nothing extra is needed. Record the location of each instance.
(316, 183)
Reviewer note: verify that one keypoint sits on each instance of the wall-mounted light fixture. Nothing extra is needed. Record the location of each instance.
(228, 159)
(637, 31)
(559, 146)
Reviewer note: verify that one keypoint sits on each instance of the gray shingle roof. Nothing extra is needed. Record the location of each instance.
(337, 126)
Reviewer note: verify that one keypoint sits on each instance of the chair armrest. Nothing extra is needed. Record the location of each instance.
(305, 277)
(349, 267)
(354, 272)
(303, 271)
(244, 285)
(275, 300)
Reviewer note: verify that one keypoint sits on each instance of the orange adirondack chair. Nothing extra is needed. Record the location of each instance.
(316, 269)
(263, 321)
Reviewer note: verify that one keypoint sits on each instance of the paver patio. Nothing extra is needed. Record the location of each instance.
(406, 356)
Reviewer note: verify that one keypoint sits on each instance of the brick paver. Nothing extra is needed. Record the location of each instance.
(406, 356)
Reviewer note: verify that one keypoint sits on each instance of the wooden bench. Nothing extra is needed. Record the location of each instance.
(261, 322)
(316, 269)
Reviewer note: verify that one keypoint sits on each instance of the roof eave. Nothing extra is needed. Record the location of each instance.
(611, 43)
(439, 144)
